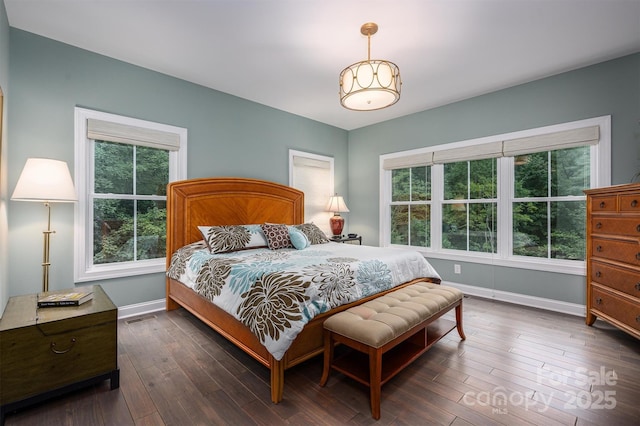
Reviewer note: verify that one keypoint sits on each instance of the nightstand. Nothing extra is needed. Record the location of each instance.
(345, 239)
(48, 351)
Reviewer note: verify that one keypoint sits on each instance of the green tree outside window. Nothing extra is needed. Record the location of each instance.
(129, 209)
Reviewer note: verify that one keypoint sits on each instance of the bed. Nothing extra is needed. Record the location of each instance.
(241, 201)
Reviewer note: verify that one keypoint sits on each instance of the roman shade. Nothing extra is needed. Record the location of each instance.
(473, 152)
(423, 159)
(310, 162)
(552, 141)
(132, 135)
(313, 174)
(508, 148)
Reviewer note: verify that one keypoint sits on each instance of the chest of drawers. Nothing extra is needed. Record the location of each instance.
(613, 256)
(49, 351)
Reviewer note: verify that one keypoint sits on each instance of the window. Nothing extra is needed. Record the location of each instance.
(548, 206)
(411, 206)
(313, 175)
(469, 206)
(515, 199)
(123, 166)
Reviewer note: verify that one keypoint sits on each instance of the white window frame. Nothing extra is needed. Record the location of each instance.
(319, 217)
(84, 269)
(600, 176)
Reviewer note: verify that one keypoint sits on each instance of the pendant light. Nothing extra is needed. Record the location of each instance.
(371, 84)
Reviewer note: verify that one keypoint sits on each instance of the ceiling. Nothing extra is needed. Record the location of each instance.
(287, 54)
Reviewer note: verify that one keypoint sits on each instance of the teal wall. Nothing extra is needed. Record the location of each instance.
(228, 136)
(4, 226)
(235, 137)
(610, 88)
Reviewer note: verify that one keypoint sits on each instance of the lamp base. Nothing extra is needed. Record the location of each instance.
(337, 223)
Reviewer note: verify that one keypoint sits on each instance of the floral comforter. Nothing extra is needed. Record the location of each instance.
(276, 292)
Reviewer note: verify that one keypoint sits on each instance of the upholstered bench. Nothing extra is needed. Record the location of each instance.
(402, 325)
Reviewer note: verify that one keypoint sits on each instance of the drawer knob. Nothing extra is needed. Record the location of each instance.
(599, 225)
(602, 204)
(637, 256)
(638, 319)
(598, 301)
(599, 274)
(634, 203)
(63, 351)
(638, 286)
(638, 228)
(599, 249)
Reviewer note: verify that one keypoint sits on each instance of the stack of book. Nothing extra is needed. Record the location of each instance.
(76, 298)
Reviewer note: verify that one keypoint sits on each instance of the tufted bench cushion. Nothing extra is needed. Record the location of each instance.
(381, 320)
(407, 318)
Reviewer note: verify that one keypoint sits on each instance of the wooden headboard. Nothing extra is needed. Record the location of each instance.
(227, 201)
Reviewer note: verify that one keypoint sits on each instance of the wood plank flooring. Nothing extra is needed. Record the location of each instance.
(518, 366)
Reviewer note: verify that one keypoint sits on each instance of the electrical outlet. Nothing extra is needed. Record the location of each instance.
(456, 269)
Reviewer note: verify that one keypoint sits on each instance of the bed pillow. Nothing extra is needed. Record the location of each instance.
(227, 238)
(298, 238)
(277, 235)
(313, 233)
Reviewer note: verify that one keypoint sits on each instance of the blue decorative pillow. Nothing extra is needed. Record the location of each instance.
(223, 239)
(298, 238)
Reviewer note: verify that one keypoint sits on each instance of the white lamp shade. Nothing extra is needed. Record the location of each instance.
(337, 205)
(44, 179)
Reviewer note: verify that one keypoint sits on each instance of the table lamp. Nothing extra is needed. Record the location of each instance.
(46, 181)
(336, 205)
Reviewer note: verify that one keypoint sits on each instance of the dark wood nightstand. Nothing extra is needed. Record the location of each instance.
(48, 351)
(345, 239)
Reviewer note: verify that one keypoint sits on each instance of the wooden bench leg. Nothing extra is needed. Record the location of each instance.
(328, 357)
(375, 378)
(459, 321)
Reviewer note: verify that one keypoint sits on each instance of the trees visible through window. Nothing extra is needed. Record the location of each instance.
(469, 207)
(410, 206)
(549, 210)
(123, 166)
(129, 207)
(510, 197)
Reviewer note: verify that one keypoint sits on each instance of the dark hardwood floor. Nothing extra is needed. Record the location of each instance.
(517, 366)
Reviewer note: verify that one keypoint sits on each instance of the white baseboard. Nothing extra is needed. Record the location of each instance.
(141, 308)
(521, 299)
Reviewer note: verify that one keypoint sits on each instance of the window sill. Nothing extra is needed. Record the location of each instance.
(569, 267)
(102, 272)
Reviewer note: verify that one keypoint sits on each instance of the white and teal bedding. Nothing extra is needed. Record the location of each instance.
(276, 292)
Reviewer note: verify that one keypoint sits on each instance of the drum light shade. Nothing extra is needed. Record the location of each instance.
(371, 84)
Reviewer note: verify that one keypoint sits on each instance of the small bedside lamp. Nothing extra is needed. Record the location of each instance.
(336, 205)
(47, 181)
